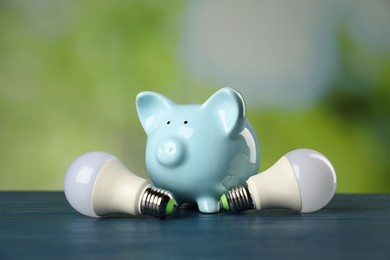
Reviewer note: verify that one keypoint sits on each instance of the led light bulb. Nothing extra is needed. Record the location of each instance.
(302, 180)
(98, 184)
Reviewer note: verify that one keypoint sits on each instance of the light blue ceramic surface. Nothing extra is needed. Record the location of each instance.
(198, 151)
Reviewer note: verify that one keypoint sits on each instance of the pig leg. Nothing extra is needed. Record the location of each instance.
(208, 204)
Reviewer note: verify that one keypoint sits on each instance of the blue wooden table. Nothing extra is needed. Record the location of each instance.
(42, 225)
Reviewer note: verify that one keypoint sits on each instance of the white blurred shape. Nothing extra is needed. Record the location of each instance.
(368, 22)
(277, 53)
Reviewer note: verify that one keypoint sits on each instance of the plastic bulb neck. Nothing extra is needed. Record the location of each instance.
(157, 202)
(237, 199)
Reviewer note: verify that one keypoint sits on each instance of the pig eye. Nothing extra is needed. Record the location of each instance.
(185, 122)
(168, 122)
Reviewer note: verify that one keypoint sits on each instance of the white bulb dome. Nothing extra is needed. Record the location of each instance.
(80, 180)
(316, 178)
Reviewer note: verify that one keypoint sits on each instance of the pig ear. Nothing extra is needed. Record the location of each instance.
(152, 108)
(227, 109)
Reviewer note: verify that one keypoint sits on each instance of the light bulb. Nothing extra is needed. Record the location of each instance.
(98, 184)
(302, 180)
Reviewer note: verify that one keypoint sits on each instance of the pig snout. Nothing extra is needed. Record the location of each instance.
(170, 152)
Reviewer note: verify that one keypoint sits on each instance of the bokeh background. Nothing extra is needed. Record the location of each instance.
(315, 74)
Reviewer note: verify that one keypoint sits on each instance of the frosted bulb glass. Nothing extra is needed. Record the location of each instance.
(302, 180)
(98, 184)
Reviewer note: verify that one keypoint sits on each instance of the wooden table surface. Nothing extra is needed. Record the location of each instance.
(42, 225)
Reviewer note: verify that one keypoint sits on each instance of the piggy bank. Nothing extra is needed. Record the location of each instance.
(198, 151)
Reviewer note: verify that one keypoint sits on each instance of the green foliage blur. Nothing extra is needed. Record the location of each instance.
(70, 71)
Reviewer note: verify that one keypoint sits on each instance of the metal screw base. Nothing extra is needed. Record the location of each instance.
(157, 203)
(239, 199)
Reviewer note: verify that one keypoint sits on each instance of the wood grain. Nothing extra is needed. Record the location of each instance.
(42, 225)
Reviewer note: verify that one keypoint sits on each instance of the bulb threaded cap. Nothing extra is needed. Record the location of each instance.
(157, 202)
(237, 199)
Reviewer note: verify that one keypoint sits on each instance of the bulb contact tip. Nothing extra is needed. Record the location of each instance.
(224, 204)
(171, 207)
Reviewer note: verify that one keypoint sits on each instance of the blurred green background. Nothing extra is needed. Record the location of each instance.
(315, 75)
